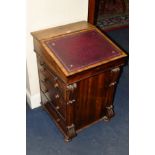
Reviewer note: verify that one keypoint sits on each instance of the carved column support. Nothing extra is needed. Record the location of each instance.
(72, 86)
(109, 113)
(71, 101)
(112, 81)
(70, 133)
(112, 84)
(117, 69)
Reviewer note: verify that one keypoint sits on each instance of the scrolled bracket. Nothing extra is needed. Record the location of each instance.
(71, 101)
(112, 84)
(109, 113)
(70, 132)
(114, 70)
(72, 86)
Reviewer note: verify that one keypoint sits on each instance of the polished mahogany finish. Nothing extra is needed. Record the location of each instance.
(78, 70)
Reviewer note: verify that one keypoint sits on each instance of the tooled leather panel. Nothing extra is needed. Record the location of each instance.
(79, 50)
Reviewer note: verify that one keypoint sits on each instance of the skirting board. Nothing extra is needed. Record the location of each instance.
(33, 100)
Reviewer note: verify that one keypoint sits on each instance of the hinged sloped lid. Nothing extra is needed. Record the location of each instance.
(82, 49)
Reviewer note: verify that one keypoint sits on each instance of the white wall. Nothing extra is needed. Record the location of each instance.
(43, 14)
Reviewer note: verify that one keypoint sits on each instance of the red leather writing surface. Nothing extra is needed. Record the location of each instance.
(78, 50)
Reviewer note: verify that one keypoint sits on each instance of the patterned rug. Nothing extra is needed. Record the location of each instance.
(112, 22)
(112, 15)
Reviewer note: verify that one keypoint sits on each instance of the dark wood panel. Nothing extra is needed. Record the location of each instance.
(91, 11)
(90, 100)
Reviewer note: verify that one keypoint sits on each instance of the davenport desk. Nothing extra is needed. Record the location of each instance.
(78, 69)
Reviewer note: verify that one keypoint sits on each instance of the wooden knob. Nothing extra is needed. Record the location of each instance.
(58, 120)
(57, 96)
(56, 85)
(57, 107)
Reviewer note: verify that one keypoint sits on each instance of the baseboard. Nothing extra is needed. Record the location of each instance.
(33, 100)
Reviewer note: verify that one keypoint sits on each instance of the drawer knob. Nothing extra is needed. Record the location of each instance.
(112, 84)
(56, 85)
(42, 69)
(57, 96)
(57, 107)
(58, 120)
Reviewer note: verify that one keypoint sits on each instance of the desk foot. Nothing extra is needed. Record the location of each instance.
(109, 113)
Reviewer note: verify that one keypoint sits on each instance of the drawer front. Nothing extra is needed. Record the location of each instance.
(46, 75)
(53, 89)
(57, 118)
(54, 98)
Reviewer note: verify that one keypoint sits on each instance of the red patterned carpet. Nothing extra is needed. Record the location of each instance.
(113, 14)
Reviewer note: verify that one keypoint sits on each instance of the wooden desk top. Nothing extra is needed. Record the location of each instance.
(78, 50)
(78, 47)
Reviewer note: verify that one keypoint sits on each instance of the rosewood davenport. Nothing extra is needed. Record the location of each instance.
(78, 69)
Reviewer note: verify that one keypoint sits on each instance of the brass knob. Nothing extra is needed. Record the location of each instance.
(58, 120)
(57, 96)
(56, 85)
(57, 107)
